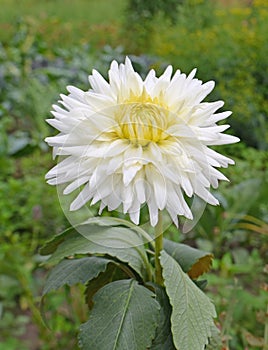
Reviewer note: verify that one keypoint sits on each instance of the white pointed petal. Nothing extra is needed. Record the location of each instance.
(183, 206)
(102, 206)
(223, 140)
(130, 172)
(214, 118)
(153, 211)
(140, 188)
(167, 73)
(150, 80)
(116, 147)
(203, 193)
(192, 74)
(98, 102)
(76, 93)
(98, 83)
(186, 185)
(75, 184)
(83, 197)
(127, 198)
(134, 212)
(181, 130)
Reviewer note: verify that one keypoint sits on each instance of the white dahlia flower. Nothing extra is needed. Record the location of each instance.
(131, 142)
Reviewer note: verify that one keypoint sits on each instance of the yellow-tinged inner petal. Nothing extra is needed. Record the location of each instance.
(142, 120)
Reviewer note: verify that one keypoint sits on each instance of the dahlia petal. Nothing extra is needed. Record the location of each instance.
(159, 186)
(155, 151)
(76, 93)
(134, 212)
(98, 83)
(114, 164)
(70, 102)
(127, 198)
(116, 147)
(203, 193)
(130, 172)
(223, 160)
(83, 197)
(150, 81)
(140, 188)
(75, 184)
(186, 185)
(180, 130)
(191, 75)
(113, 202)
(184, 209)
(98, 102)
(223, 140)
(153, 211)
(217, 117)
(61, 111)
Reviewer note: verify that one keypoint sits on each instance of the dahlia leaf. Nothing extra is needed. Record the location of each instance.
(50, 246)
(112, 273)
(192, 311)
(73, 271)
(201, 284)
(124, 316)
(119, 242)
(215, 341)
(163, 339)
(193, 261)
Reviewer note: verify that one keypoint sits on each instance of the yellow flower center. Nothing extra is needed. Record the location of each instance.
(142, 120)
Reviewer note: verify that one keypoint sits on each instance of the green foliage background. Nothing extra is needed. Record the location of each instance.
(47, 45)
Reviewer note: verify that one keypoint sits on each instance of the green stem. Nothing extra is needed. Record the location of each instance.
(158, 249)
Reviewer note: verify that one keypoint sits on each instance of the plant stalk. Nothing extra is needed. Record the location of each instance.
(158, 249)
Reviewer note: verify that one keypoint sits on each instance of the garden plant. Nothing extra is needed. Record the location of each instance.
(131, 143)
(106, 229)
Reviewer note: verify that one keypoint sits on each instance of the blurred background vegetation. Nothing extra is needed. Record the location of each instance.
(46, 45)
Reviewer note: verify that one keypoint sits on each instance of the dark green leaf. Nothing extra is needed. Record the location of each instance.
(193, 261)
(192, 311)
(50, 246)
(125, 316)
(163, 339)
(201, 284)
(112, 273)
(72, 271)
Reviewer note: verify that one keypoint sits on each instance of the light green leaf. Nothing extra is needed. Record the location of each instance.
(193, 261)
(192, 311)
(94, 223)
(119, 242)
(112, 221)
(163, 339)
(124, 317)
(73, 271)
(215, 341)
